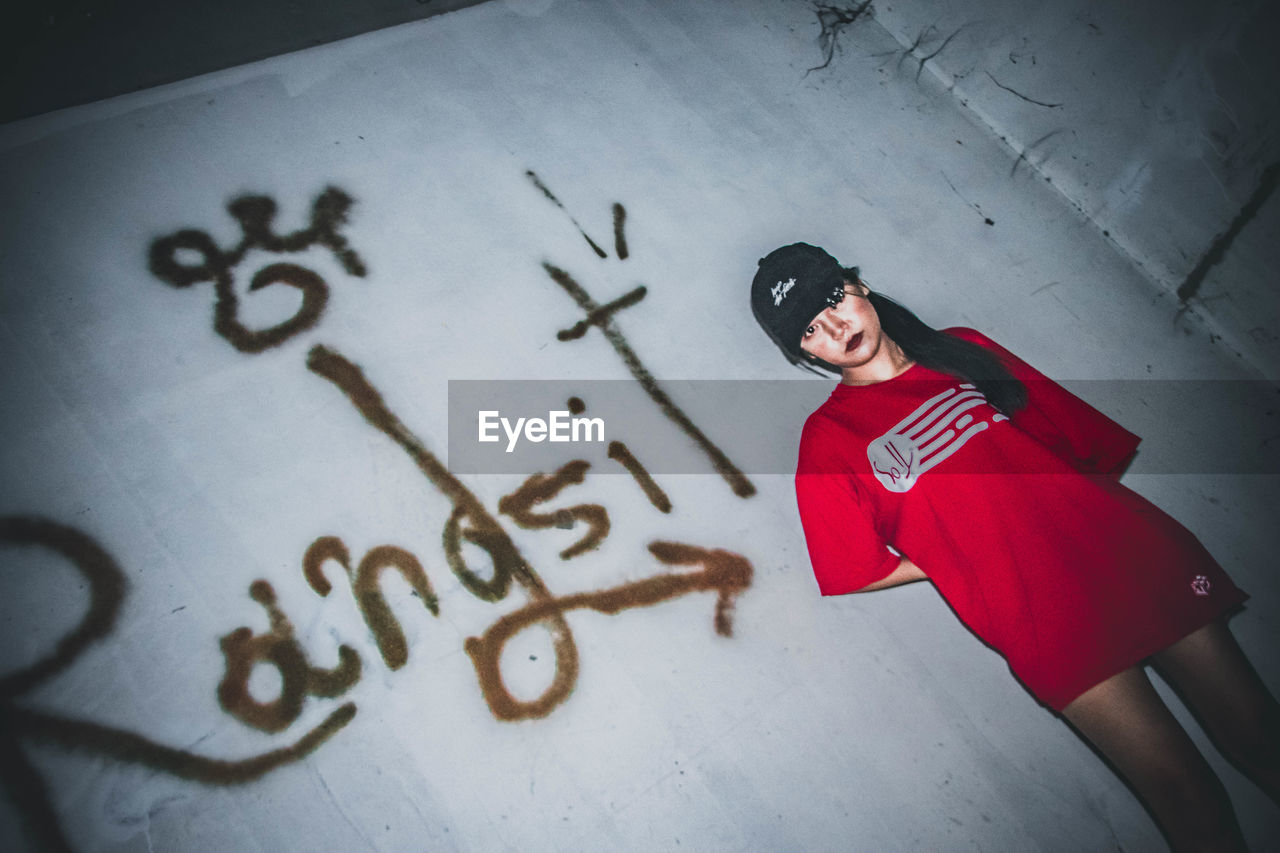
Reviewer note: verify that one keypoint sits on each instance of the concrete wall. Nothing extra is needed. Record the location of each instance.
(1159, 122)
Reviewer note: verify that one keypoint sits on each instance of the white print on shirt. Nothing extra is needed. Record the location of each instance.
(927, 436)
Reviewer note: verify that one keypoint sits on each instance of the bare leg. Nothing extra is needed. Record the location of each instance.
(1126, 721)
(1212, 675)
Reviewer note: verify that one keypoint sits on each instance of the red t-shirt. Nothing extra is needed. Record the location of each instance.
(1020, 523)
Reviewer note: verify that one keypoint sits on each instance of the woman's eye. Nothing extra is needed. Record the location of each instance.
(809, 331)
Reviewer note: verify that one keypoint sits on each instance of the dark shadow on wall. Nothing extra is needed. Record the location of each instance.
(62, 53)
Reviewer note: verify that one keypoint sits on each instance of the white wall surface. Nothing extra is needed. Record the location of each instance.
(1159, 122)
(871, 722)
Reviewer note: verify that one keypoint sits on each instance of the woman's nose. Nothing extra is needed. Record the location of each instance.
(835, 324)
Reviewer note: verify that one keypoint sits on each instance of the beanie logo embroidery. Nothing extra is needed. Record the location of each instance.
(780, 289)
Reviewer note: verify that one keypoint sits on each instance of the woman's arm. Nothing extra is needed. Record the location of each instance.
(906, 572)
(847, 551)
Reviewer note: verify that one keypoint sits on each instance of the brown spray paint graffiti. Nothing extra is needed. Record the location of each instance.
(469, 522)
(723, 571)
(481, 529)
(601, 314)
(541, 488)
(619, 231)
(106, 592)
(255, 215)
(601, 317)
(279, 648)
(365, 578)
(729, 573)
(22, 781)
(537, 182)
(620, 453)
(596, 316)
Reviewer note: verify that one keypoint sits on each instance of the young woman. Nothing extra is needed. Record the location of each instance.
(1002, 488)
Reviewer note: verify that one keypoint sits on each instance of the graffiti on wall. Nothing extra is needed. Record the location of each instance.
(107, 587)
(256, 217)
(190, 256)
(601, 316)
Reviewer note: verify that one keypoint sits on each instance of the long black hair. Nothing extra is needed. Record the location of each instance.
(939, 351)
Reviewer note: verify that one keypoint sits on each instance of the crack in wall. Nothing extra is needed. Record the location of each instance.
(941, 47)
(1019, 94)
(834, 20)
(1022, 156)
(911, 51)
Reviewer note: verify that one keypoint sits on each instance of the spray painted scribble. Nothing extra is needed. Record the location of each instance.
(619, 228)
(595, 247)
(365, 584)
(281, 649)
(107, 588)
(723, 571)
(620, 453)
(470, 521)
(541, 488)
(601, 316)
(190, 256)
(742, 487)
(255, 215)
(106, 592)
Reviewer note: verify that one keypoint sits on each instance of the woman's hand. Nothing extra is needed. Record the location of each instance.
(906, 572)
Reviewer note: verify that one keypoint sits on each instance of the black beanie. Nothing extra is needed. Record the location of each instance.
(792, 286)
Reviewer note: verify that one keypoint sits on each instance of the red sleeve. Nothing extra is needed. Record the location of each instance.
(1075, 431)
(846, 551)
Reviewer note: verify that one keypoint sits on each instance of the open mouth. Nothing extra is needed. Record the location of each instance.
(853, 342)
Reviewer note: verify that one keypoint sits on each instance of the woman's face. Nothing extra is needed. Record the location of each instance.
(847, 335)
